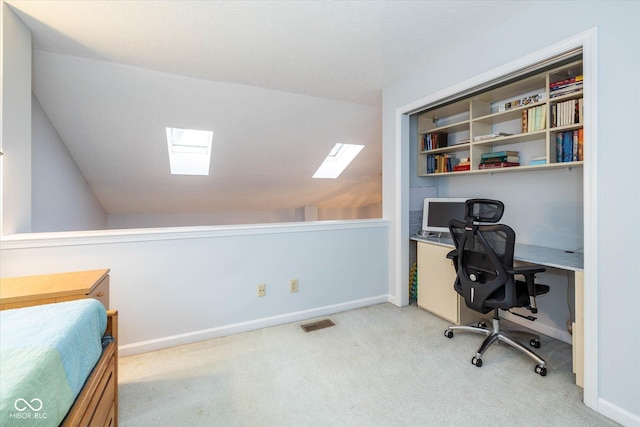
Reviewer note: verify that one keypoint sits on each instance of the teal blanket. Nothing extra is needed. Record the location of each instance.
(46, 354)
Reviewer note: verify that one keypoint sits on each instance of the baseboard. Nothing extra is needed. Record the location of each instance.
(618, 414)
(205, 334)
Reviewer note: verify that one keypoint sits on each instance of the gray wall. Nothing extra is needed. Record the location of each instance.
(618, 197)
(15, 124)
(61, 199)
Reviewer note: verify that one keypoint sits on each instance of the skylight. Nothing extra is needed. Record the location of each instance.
(189, 151)
(337, 160)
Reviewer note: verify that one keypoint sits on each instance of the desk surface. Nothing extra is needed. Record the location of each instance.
(540, 255)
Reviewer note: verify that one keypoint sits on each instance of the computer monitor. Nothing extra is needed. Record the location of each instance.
(437, 213)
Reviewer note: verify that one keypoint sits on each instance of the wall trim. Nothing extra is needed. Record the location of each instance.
(206, 334)
(78, 238)
(618, 414)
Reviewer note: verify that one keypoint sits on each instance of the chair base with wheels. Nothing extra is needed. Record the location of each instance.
(496, 335)
(486, 277)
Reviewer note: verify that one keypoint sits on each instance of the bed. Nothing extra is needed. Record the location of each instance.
(59, 365)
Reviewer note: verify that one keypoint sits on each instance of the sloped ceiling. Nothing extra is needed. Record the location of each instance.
(279, 83)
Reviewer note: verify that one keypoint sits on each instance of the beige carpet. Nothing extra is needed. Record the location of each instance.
(378, 366)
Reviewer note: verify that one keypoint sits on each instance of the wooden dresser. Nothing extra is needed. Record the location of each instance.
(17, 292)
(97, 402)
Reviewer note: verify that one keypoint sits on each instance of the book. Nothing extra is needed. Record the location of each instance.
(497, 165)
(567, 112)
(559, 147)
(561, 88)
(565, 91)
(460, 167)
(439, 163)
(499, 154)
(431, 141)
(580, 144)
(566, 81)
(542, 123)
(538, 162)
(499, 159)
(491, 136)
(567, 146)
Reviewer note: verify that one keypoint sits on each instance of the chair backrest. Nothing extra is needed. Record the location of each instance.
(483, 254)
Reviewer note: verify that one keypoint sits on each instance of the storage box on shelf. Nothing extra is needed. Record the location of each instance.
(529, 116)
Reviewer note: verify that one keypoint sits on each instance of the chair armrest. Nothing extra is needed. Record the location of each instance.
(524, 269)
(529, 271)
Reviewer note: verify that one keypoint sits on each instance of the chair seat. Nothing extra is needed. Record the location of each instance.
(522, 299)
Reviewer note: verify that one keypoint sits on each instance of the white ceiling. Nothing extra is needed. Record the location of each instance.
(278, 82)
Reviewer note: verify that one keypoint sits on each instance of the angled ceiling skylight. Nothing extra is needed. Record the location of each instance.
(189, 151)
(337, 160)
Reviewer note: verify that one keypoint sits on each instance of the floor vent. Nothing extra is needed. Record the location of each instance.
(310, 327)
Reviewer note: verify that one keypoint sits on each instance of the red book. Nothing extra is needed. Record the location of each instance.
(497, 165)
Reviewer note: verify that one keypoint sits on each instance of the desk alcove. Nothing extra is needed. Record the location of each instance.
(436, 275)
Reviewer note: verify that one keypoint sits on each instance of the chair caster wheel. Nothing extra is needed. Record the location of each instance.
(478, 362)
(541, 370)
(534, 343)
(448, 333)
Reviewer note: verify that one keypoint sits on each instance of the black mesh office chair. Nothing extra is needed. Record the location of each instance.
(483, 260)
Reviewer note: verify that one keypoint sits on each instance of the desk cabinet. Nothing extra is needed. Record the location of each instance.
(17, 292)
(436, 275)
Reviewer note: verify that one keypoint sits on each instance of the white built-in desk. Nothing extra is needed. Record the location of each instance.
(436, 275)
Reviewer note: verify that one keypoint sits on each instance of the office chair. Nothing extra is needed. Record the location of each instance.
(485, 276)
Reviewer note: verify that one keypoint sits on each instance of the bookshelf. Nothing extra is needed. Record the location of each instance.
(539, 116)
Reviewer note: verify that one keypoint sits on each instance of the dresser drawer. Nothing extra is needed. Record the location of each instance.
(101, 292)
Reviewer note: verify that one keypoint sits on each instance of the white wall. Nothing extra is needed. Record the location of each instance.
(61, 199)
(15, 132)
(618, 197)
(187, 284)
(150, 220)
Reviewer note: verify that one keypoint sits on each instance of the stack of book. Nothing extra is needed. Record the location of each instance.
(567, 113)
(499, 159)
(431, 141)
(566, 86)
(569, 146)
(440, 163)
(463, 165)
(534, 119)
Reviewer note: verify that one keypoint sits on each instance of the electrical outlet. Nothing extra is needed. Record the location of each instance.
(293, 285)
(262, 290)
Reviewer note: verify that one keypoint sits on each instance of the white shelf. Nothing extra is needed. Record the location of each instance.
(476, 116)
